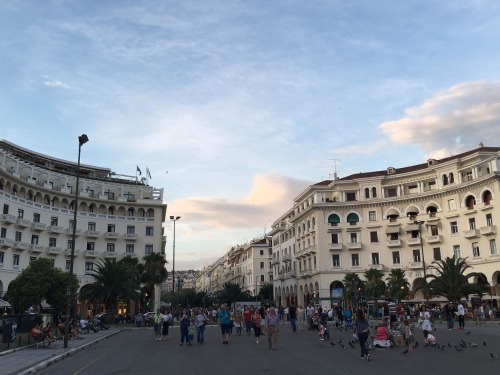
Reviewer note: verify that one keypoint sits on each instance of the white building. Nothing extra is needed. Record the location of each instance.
(367, 220)
(116, 217)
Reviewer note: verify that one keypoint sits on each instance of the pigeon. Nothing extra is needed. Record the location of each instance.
(332, 344)
(351, 345)
(343, 346)
(435, 329)
(405, 352)
(473, 345)
(458, 349)
(484, 343)
(340, 341)
(468, 333)
(463, 345)
(493, 356)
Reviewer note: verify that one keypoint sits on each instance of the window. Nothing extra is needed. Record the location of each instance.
(374, 236)
(416, 255)
(20, 213)
(372, 216)
(15, 260)
(475, 249)
(437, 253)
(54, 220)
(394, 236)
(1, 257)
(335, 260)
(452, 178)
(148, 249)
(434, 230)
(111, 228)
(374, 192)
(355, 260)
(36, 217)
(91, 226)
(445, 180)
(110, 247)
(261, 253)
(18, 236)
(350, 197)
(367, 193)
(333, 220)
(129, 248)
(352, 219)
(111, 211)
(68, 265)
(261, 278)
(472, 223)
(454, 227)
(91, 246)
(5, 209)
(150, 231)
(261, 265)
(71, 224)
(34, 239)
(3, 232)
(467, 176)
(489, 220)
(89, 267)
(395, 257)
(375, 258)
(32, 259)
(456, 251)
(354, 238)
(493, 247)
(335, 238)
(130, 212)
(130, 229)
(452, 205)
(70, 244)
(52, 241)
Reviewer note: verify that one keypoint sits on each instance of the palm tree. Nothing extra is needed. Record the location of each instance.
(154, 272)
(112, 280)
(451, 281)
(397, 285)
(352, 286)
(374, 284)
(233, 293)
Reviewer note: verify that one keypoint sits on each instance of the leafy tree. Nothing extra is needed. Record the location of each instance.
(352, 286)
(41, 281)
(451, 281)
(113, 280)
(232, 293)
(397, 285)
(374, 284)
(266, 292)
(154, 271)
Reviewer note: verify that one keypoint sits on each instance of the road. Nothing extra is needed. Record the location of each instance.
(135, 351)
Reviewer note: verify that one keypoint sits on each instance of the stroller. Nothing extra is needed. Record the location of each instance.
(315, 322)
(348, 319)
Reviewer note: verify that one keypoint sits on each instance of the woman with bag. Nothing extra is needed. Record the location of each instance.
(362, 329)
(256, 320)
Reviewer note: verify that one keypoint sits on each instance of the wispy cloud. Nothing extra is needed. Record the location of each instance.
(47, 81)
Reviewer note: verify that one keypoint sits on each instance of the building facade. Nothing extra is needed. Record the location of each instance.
(116, 217)
(396, 218)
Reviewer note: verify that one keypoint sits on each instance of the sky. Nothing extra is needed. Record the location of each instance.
(237, 106)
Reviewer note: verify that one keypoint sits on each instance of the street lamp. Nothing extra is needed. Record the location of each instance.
(174, 219)
(426, 289)
(81, 141)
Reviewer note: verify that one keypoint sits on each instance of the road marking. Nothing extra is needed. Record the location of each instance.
(91, 363)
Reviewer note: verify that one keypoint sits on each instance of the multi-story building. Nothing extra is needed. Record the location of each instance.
(396, 218)
(116, 217)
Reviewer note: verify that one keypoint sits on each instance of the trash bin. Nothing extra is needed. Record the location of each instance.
(9, 330)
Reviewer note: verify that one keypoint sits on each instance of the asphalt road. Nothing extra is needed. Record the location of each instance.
(135, 351)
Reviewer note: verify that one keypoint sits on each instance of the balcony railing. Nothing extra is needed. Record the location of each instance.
(69, 232)
(6, 242)
(354, 245)
(413, 241)
(54, 250)
(394, 243)
(55, 229)
(91, 253)
(335, 246)
(92, 233)
(491, 229)
(67, 252)
(22, 223)
(473, 233)
(19, 245)
(37, 249)
(8, 219)
(435, 239)
(130, 236)
(38, 226)
(111, 235)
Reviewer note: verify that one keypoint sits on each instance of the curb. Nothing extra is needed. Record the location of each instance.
(48, 362)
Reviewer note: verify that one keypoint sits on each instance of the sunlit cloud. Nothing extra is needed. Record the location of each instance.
(54, 83)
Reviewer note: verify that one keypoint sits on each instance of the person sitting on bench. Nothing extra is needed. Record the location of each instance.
(99, 323)
(39, 336)
(85, 326)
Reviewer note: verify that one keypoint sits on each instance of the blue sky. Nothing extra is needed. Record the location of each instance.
(245, 103)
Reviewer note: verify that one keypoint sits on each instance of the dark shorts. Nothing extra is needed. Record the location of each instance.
(157, 327)
(225, 328)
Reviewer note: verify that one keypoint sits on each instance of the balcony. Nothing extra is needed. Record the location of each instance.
(435, 239)
(22, 223)
(6, 242)
(38, 227)
(91, 253)
(473, 233)
(131, 255)
(416, 265)
(36, 249)
(379, 267)
(78, 232)
(67, 252)
(287, 258)
(354, 246)
(92, 233)
(54, 250)
(334, 228)
(111, 235)
(130, 236)
(491, 229)
(394, 243)
(335, 246)
(413, 241)
(291, 274)
(55, 229)
(110, 254)
(8, 219)
(19, 245)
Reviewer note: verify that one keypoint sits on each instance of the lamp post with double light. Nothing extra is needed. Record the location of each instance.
(174, 219)
(81, 141)
(426, 287)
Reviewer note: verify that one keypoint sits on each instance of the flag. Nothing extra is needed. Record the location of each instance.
(139, 170)
(147, 172)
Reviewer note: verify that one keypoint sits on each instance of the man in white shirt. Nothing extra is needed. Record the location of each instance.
(461, 316)
(84, 326)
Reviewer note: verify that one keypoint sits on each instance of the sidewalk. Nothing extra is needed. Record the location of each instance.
(29, 359)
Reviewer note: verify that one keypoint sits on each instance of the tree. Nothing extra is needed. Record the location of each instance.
(352, 286)
(266, 292)
(451, 281)
(154, 271)
(41, 281)
(374, 284)
(233, 293)
(112, 280)
(397, 285)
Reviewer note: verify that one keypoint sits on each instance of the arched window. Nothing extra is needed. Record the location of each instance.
(487, 197)
(367, 193)
(130, 212)
(308, 225)
(352, 218)
(451, 178)
(374, 192)
(111, 210)
(333, 220)
(445, 180)
(313, 222)
(470, 202)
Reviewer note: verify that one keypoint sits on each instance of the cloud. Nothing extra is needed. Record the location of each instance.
(54, 83)
(271, 196)
(453, 121)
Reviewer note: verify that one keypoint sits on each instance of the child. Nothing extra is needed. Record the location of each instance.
(321, 332)
(429, 339)
(408, 335)
(191, 332)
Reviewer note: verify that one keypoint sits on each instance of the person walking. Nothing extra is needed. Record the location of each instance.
(292, 316)
(256, 322)
(247, 318)
(157, 324)
(200, 321)
(184, 326)
(300, 317)
(138, 319)
(425, 318)
(167, 320)
(272, 326)
(461, 316)
(362, 329)
(225, 323)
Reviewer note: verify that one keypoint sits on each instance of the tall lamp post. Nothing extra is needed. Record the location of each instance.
(426, 288)
(174, 219)
(81, 141)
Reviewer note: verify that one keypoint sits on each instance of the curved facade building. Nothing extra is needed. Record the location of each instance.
(116, 217)
(371, 220)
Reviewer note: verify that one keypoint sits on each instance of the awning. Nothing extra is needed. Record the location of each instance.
(392, 230)
(411, 227)
(4, 303)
